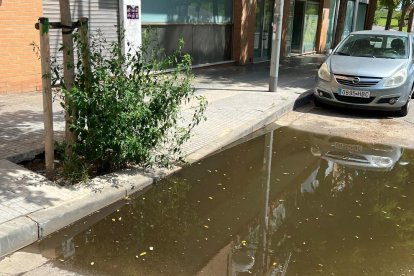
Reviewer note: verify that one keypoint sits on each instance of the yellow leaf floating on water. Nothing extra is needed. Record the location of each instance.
(205, 226)
(244, 242)
(120, 218)
(113, 219)
(92, 263)
(142, 254)
(210, 197)
(274, 263)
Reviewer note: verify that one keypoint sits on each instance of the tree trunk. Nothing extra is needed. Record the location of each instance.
(389, 18)
(410, 20)
(340, 22)
(68, 70)
(372, 7)
(401, 22)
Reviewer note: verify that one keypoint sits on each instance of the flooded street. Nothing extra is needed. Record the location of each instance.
(285, 203)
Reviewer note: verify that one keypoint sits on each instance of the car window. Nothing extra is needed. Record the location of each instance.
(375, 46)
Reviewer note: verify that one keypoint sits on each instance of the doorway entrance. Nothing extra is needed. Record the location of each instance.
(304, 27)
(297, 27)
(263, 32)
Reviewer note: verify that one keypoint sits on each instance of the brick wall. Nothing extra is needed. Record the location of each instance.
(19, 66)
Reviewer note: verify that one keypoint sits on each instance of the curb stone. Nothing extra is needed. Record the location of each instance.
(270, 115)
(52, 219)
(17, 233)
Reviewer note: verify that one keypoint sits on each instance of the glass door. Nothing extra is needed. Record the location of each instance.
(310, 27)
(263, 32)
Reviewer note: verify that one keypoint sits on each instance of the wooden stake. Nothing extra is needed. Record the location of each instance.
(68, 70)
(85, 52)
(47, 94)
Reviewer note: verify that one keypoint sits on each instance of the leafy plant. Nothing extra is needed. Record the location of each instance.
(128, 105)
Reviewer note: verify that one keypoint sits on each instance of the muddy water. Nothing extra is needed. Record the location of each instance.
(286, 203)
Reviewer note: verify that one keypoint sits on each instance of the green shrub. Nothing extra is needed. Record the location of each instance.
(128, 110)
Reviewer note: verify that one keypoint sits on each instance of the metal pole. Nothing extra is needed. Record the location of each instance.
(47, 94)
(276, 40)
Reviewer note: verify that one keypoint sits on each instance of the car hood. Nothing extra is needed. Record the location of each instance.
(363, 66)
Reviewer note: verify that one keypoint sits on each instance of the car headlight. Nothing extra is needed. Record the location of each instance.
(397, 79)
(323, 72)
(382, 162)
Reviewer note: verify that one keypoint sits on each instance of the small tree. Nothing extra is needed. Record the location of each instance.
(372, 7)
(404, 8)
(128, 110)
(390, 5)
(68, 68)
(410, 20)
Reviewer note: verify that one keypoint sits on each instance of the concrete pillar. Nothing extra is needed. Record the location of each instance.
(243, 30)
(323, 23)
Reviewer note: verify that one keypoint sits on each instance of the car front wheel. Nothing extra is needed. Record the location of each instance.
(404, 110)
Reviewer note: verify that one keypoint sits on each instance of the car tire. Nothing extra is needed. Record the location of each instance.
(404, 110)
(316, 102)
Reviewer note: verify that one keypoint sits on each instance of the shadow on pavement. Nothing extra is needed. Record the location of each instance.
(351, 113)
(295, 72)
(23, 130)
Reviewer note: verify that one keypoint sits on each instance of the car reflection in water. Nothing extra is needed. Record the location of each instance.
(373, 157)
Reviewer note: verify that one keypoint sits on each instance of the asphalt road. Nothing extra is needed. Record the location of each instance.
(359, 125)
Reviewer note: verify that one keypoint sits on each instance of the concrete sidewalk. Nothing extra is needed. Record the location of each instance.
(32, 207)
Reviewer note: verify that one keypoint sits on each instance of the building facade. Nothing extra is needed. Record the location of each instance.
(214, 31)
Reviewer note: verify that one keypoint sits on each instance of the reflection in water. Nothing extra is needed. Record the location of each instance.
(286, 203)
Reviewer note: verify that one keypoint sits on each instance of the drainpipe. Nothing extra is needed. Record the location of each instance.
(355, 15)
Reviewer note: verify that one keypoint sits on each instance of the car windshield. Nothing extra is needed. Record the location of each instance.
(374, 46)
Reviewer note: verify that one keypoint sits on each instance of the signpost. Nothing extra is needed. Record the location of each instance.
(130, 14)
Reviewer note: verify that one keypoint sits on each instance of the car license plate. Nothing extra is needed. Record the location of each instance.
(354, 93)
(348, 147)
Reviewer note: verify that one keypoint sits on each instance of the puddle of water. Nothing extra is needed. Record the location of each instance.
(286, 203)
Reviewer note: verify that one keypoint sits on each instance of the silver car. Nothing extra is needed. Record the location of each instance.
(369, 70)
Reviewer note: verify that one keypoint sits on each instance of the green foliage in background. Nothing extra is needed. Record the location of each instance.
(128, 110)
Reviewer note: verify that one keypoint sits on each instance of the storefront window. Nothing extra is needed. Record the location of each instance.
(310, 27)
(187, 11)
(362, 11)
(329, 36)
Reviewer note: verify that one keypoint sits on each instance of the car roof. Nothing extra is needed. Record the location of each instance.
(382, 32)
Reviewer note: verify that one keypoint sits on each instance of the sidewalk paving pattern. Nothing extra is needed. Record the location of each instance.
(32, 207)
